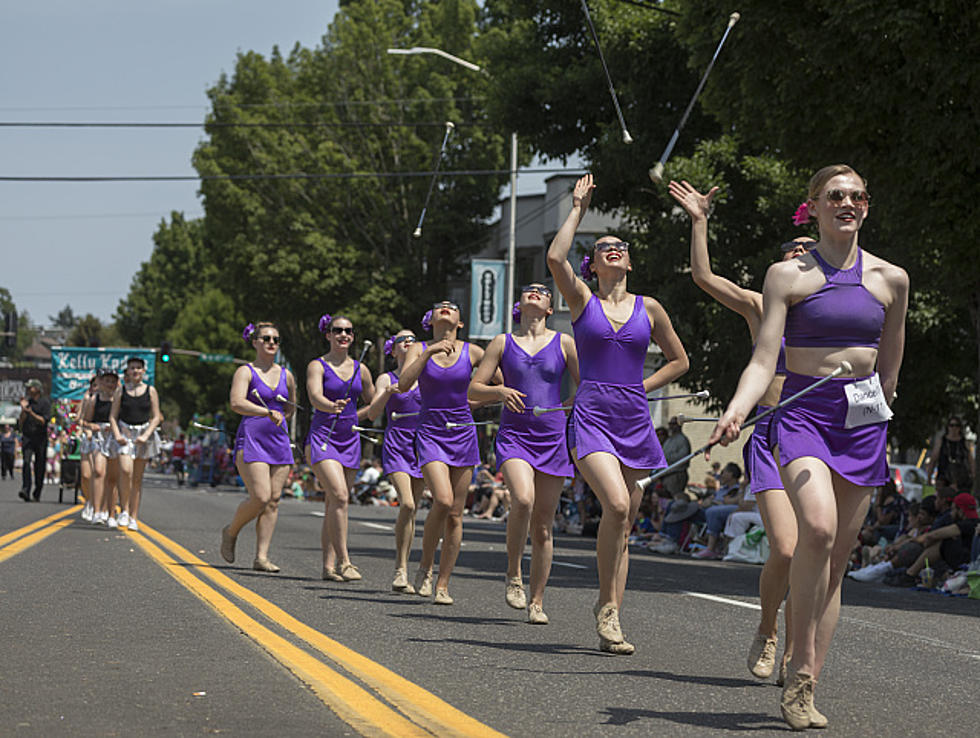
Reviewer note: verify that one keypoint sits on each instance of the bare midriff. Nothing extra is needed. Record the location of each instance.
(819, 361)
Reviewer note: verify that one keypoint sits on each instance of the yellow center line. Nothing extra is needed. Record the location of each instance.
(7, 537)
(353, 704)
(422, 706)
(17, 546)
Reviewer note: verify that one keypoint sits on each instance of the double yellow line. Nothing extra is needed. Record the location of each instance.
(43, 528)
(397, 707)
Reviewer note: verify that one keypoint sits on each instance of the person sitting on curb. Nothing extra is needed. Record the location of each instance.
(950, 544)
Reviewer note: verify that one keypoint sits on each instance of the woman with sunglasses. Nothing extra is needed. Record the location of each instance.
(610, 432)
(765, 485)
(530, 450)
(105, 464)
(263, 454)
(445, 443)
(333, 447)
(398, 452)
(838, 303)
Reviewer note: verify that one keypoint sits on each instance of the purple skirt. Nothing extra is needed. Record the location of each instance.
(452, 446)
(615, 418)
(545, 452)
(814, 426)
(398, 452)
(261, 440)
(760, 463)
(343, 445)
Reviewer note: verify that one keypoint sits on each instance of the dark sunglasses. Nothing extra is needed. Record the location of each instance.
(793, 245)
(953, 425)
(274, 340)
(445, 304)
(404, 339)
(620, 246)
(536, 288)
(860, 198)
(337, 330)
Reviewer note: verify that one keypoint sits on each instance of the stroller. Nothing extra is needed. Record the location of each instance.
(71, 470)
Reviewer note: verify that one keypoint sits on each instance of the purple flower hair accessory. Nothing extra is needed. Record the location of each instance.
(516, 310)
(248, 333)
(584, 269)
(427, 320)
(802, 214)
(324, 322)
(388, 345)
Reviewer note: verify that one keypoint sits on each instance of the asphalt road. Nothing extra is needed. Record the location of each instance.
(113, 633)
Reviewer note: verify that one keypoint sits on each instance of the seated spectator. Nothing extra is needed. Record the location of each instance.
(713, 510)
(746, 517)
(950, 545)
(903, 551)
(481, 488)
(889, 514)
(644, 527)
(500, 497)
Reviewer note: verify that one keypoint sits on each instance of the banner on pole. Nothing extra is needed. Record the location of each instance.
(487, 298)
(73, 366)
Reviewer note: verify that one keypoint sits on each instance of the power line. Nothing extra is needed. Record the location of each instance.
(284, 104)
(295, 175)
(90, 216)
(107, 124)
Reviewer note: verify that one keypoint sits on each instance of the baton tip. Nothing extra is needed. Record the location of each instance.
(845, 367)
(657, 173)
(417, 233)
(734, 18)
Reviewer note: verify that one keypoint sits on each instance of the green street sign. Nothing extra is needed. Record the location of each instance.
(217, 358)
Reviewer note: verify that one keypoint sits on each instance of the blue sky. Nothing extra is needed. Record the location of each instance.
(108, 60)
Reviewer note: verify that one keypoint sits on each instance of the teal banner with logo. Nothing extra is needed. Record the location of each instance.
(73, 366)
(487, 303)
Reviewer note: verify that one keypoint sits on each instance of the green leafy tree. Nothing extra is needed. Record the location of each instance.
(65, 318)
(87, 331)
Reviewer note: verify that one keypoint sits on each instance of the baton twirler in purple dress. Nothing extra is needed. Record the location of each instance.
(443, 391)
(540, 441)
(259, 438)
(844, 423)
(611, 411)
(344, 443)
(398, 451)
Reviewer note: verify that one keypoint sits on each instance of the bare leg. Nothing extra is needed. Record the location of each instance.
(336, 481)
(111, 487)
(547, 493)
(436, 475)
(780, 524)
(125, 481)
(459, 478)
(136, 487)
(409, 492)
(257, 483)
(265, 525)
(98, 481)
(519, 478)
(85, 468)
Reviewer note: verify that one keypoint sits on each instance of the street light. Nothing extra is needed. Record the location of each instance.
(512, 237)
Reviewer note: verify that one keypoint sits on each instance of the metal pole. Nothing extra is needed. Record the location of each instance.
(512, 237)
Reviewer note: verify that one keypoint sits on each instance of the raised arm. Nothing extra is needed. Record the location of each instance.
(572, 288)
(482, 389)
(747, 303)
(666, 338)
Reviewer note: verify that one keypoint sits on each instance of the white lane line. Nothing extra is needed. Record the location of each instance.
(562, 563)
(318, 513)
(727, 601)
(858, 621)
(378, 526)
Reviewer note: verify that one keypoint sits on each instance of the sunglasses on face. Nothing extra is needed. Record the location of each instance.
(441, 305)
(536, 288)
(954, 425)
(337, 330)
(619, 246)
(274, 340)
(404, 339)
(860, 198)
(794, 245)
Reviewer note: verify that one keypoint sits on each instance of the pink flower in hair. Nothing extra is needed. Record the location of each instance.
(248, 333)
(427, 320)
(802, 214)
(324, 322)
(584, 269)
(516, 311)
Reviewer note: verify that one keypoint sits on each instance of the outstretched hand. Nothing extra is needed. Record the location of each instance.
(582, 192)
(696, 204)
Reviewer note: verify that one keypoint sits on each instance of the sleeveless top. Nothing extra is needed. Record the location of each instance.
(539, 377)
(135, 410)
(444, 388)
(401, 403)
(267, 393)
(607, 355)
(841, 313)
(334, 389)
(100, 410)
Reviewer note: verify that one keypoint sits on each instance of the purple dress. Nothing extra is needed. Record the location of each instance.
(344, 443)
(443, 393)
(398, 451)
(611, 411)
(540, 441)
(258, 437)
(760, 463)
(841, 313)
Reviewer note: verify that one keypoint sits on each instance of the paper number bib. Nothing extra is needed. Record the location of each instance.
(866, 403)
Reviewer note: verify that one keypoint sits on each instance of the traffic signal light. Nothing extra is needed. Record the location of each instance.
(165, 350)
(10, 328)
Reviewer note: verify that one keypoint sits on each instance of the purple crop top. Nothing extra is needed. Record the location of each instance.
(841, 313)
